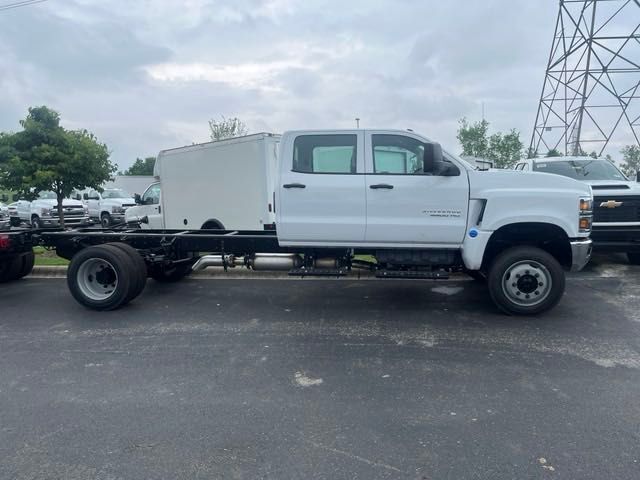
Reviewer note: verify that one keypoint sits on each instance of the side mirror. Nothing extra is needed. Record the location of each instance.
(432, 156)
(137, 199)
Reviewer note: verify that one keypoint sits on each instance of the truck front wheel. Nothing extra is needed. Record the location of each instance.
(526, 281)
(105, 220)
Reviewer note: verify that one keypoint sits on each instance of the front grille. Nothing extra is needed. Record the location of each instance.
(73, 212)
(629, 211)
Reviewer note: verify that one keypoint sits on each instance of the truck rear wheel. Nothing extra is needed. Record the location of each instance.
(139, 267)
(101, 277)
(10, 268)
(26, 264)
(526, 281)
(634, 258)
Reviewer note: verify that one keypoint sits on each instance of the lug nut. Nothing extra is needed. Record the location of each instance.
(527, 296)
(537, 292)
(539, 284)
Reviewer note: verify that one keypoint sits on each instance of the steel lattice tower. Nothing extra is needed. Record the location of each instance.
(591, 88)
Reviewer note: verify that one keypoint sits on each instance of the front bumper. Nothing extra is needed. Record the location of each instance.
(616, 239)
(68, 221)
(580, 253)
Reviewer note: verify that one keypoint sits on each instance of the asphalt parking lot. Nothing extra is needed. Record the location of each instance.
(290, 379)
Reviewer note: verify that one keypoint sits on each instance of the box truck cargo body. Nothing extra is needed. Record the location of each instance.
(227, 184)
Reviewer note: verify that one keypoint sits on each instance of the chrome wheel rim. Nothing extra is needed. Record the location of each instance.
(97, 279)
(527, 283)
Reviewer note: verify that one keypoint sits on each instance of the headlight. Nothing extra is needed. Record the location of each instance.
(117, 210)
(586, 205)
(46, 212)
(586, 215)
(86, 209)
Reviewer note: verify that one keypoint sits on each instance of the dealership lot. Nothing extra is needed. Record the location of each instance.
(279, 378)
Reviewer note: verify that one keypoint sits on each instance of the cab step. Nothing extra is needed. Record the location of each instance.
(318, 272)
(412, 274)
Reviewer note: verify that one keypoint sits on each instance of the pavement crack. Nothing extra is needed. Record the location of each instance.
(352, 456)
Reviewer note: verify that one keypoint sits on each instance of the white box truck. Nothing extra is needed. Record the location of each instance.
(227, 184)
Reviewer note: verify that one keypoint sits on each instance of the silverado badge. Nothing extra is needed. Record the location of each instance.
(610, 204)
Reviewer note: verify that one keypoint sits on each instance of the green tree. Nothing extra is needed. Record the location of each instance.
(630, 160)
(227, 128)
(503, 149)
(473, 138)
(141, 167)
(44, 156)
(554, 152)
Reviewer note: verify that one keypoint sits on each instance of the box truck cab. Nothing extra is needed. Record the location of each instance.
(215, 185)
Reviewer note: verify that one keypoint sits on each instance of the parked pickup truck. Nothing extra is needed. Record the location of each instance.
(109, 206)
(616, 203)
(343, 197)
(43, 211)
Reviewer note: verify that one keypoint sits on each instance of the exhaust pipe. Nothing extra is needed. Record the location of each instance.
(259, 261)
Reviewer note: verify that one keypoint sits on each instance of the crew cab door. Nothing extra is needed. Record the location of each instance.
(410, 201)
(320, 196)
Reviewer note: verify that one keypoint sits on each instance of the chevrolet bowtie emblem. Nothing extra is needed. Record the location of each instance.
(610, 204)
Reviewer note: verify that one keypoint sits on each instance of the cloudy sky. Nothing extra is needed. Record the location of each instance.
(146, 75)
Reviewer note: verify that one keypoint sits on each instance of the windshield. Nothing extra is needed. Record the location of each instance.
(115, 193)
(581, 169)
(47, 196)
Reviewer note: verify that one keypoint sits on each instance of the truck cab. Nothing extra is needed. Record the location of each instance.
(616, 203)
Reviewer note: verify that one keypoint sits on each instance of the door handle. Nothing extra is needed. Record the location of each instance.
(294, 185)
(381, 185)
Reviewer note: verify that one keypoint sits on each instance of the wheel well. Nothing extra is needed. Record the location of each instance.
(104, 212)
(212, 224)
(546, 236)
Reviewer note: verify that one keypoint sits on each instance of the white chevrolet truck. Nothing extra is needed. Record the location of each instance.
(43, 211)
(616, 203)
(391, 202)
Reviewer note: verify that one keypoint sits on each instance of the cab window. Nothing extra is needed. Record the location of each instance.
(152, 195)
(396, 154)
(325, 154)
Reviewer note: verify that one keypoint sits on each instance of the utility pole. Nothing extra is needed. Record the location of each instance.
(591, 88)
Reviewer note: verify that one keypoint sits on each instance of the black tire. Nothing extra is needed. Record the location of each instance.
(28, 259)
(10, 268)
(140, 267)
(35, 222)
(105, 220)
(530, 271)
(118, 269)
(634, 258)
(172, 274)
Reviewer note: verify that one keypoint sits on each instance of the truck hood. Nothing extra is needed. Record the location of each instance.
(50, 203)
(512, 179)
(117, 202)
(613, 187)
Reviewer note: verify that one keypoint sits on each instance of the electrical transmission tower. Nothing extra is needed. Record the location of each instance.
(591, 89)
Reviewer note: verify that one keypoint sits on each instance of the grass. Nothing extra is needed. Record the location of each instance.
(48, 257)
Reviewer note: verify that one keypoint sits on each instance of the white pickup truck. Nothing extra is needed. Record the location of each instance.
(344, 196)
(616, 209)
(109, 206)
(43, 211)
